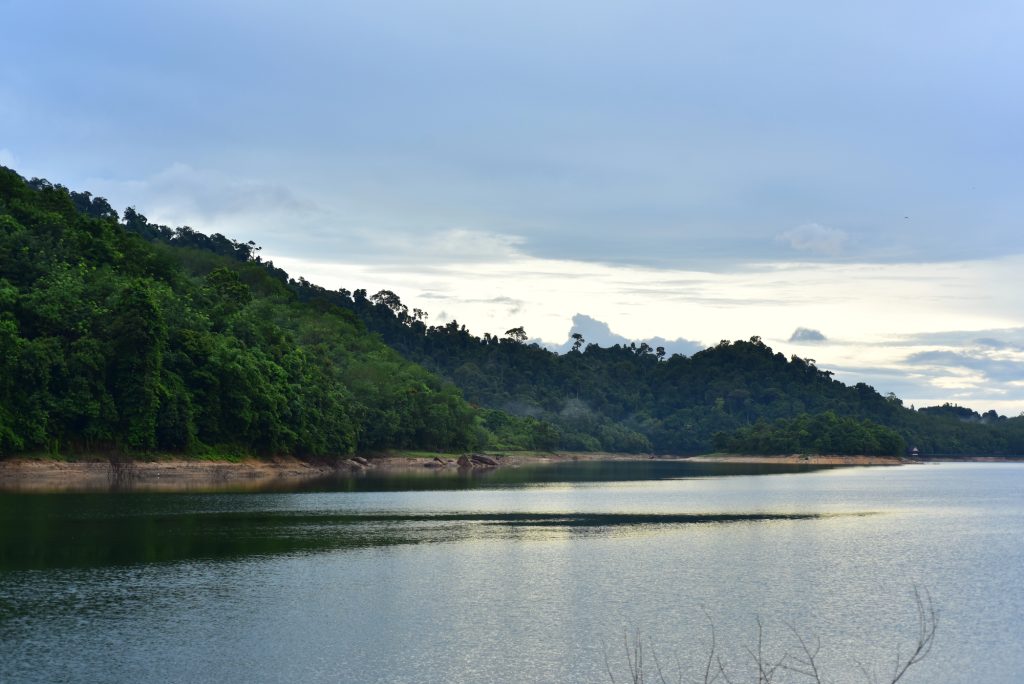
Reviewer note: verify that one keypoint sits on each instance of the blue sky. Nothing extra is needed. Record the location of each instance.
(676, 169)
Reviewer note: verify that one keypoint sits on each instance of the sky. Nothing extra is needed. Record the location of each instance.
(846, 182)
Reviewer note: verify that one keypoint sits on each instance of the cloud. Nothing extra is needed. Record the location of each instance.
(441, 246)
(807, 335)
(999, 338)
(814, 238)
(994, 367)
(600, 333)
(993, 343)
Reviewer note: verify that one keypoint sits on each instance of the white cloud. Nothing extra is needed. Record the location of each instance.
(441, 247)
(598, 332)
(814, 238)
(807, 335)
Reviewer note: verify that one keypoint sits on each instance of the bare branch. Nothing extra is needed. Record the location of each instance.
(607, 664)
(927, 621)
(721, 670)
(805, 663)
(808, 664)
(708, 679)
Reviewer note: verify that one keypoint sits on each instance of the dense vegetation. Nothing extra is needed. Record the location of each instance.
(110, 342)
(825, 433)
(127, 333)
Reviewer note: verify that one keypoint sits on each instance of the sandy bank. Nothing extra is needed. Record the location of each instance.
(24, 474)
(800, 459)
(42, 474)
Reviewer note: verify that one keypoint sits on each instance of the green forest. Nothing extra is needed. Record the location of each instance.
(112, 342)
(120, 334)
(825, 433)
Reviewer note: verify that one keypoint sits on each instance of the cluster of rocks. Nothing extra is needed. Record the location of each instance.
(356, 463)
(464, 461)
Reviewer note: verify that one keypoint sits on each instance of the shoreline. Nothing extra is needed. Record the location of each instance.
(175, 473)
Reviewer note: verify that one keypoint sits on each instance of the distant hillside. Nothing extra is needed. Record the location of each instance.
(621, 398)
(628, 398)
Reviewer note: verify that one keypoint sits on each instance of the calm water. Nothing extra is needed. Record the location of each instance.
(527, 575)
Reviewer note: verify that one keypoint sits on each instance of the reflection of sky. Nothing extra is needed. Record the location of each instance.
(630, 146)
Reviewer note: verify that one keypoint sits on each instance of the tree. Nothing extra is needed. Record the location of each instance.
(139, 335)
(577, 341)
(517, 335)
(391, 301)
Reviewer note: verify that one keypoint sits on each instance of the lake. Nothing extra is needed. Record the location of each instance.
(521, 575)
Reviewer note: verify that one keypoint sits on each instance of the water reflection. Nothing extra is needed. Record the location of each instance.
(511, 582)
(54, 530)
(51, 531)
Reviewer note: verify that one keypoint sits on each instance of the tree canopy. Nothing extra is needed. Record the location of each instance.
(135, 337)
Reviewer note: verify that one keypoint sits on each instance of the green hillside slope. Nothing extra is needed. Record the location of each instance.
(110, 342)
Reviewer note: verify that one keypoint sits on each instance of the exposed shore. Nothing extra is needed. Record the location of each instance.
(802, 459)
(169, 473)
(174, 473)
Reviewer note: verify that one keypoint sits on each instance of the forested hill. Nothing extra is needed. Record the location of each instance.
(626, 398)
(109, 342)
(736, 395)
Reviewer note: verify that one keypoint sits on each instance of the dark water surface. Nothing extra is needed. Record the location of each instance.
(523, 575)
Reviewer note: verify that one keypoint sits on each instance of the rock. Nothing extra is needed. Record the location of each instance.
(465, 462)
(361, 461)
(483, 460)
(434, 464)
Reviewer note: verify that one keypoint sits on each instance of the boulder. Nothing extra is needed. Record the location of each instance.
(483, 460)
